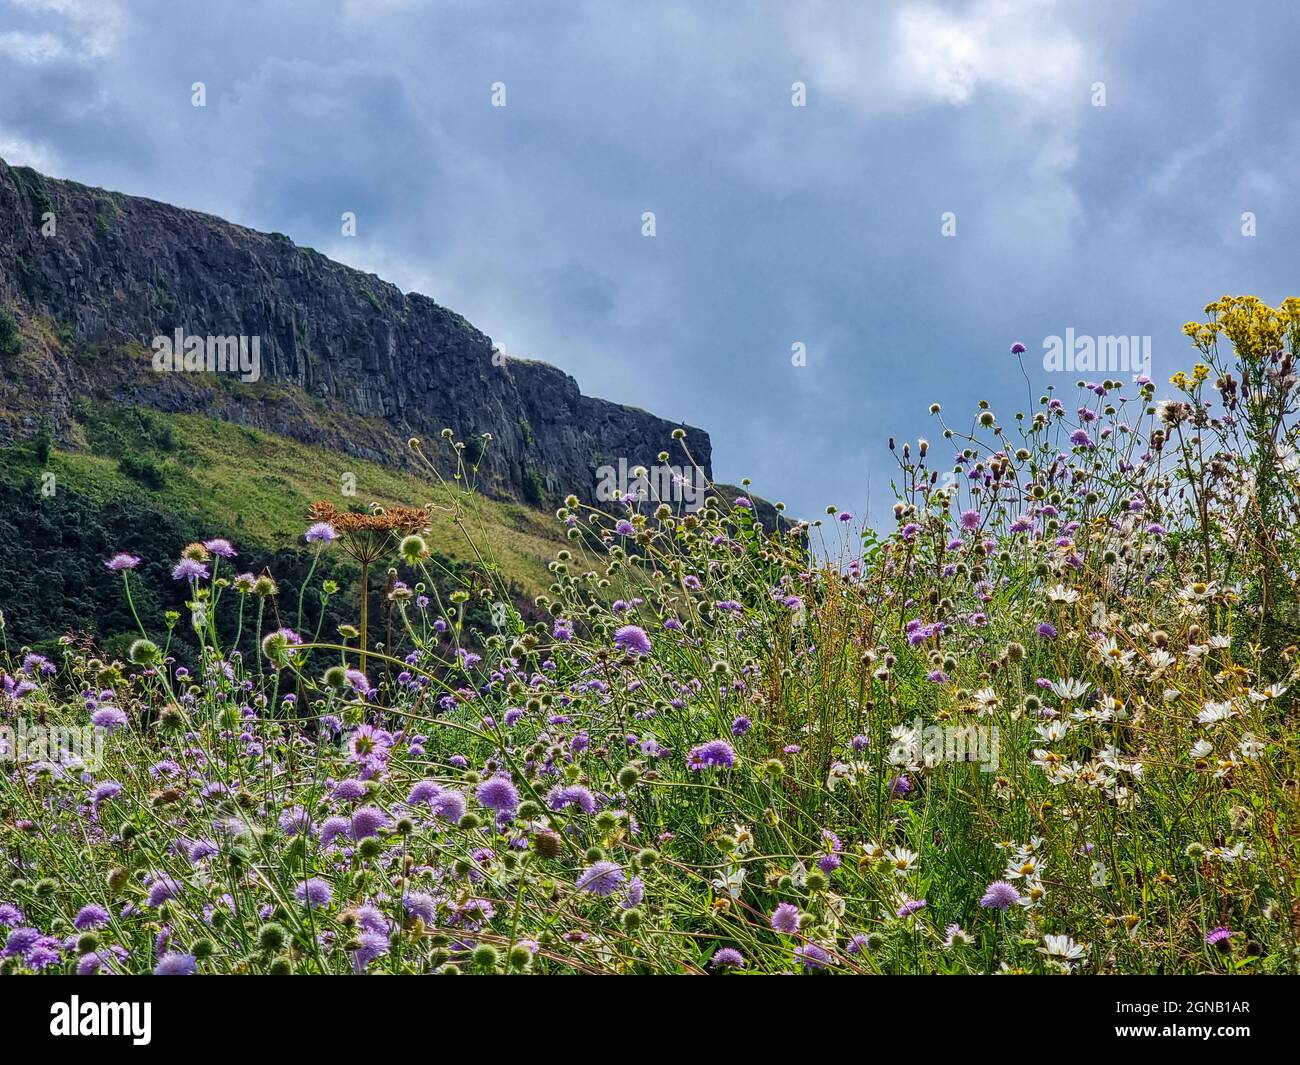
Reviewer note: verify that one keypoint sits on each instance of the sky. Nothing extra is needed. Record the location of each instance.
(857, 207)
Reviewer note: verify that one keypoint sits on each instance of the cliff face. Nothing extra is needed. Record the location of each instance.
(346, 359)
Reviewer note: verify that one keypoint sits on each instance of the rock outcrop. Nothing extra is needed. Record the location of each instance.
(346, 359)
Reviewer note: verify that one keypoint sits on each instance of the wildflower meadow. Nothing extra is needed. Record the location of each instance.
(1044, 722)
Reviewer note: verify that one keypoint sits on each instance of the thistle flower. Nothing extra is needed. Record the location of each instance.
(1219, 938)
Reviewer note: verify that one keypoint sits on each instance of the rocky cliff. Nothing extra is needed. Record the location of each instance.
(346, 359)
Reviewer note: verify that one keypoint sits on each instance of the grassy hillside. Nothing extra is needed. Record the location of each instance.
(150, 482)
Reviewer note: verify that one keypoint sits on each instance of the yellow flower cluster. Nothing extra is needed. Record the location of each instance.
(1200, 373)
(1255, 329)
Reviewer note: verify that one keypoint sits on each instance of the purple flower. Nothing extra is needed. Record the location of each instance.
(450, 806)
(901, 786)
(572, 795)
(91, 916)
(728, 958)
(322, 532)
(418, 904)
(122, 561)
(1018, 348)
(625, 528)
(367, 821)
(221, 548)
(373, 945)
(970, 520)
(1047, 631)
(21, 940)
(161, 890)
(313, 893)
(714, 753)
(812, 956)
(109, 789)
(740, 726)
(600, 878)
(349, 789)
(423, 791)
(910, 907)
(785, 918)
(1219, 938)
(175, 965)
(189, 569)
(999, 895)
(332, 828)
(632, 638)
(499, 794)
(110, 719)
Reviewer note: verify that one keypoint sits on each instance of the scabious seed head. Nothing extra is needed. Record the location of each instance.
(413, 548)
(144, 653)
(271, 937)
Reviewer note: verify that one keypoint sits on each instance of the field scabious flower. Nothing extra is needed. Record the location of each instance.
(314, 893)
(785, 918)
(109, 718)
(999, 895)
(600, 878)
(910, 906)
(122, 561)
(716, 753)
(367, 821)
(176, 965)
(321, 532)
(727, 958)
(163, 889)
(499, 795)
(633, 639)
(90, 916)
(189, 569)
(812, 956)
